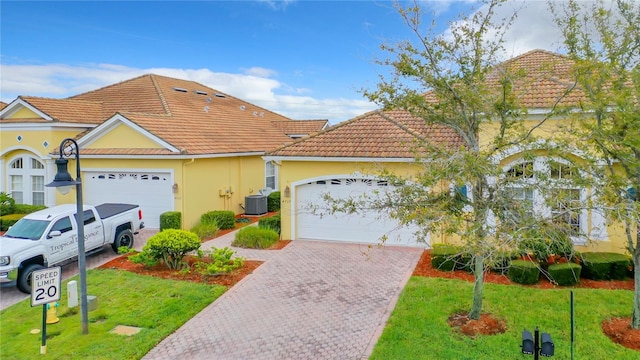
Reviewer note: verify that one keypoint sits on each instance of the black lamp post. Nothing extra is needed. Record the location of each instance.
(63, 182)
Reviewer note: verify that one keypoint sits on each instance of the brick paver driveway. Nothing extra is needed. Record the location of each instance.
(311, 300)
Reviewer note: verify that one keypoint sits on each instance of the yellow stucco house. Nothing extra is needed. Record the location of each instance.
(343, 160)
(163, 143)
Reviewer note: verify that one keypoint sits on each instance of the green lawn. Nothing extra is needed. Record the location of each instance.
(156, 305)
(418, 329)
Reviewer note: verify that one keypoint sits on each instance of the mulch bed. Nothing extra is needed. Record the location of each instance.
(617, 329)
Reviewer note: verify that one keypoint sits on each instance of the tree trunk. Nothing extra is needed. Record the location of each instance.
(635, 319)
(478, 272)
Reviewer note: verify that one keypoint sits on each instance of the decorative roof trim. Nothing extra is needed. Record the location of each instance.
(337, 159)
(18, 104)
(167, 157)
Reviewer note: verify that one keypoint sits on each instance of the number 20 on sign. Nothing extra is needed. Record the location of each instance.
(45, 286)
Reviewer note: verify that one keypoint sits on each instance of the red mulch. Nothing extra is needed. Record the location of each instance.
(617, 329)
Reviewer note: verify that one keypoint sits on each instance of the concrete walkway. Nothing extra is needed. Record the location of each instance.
(310, 300)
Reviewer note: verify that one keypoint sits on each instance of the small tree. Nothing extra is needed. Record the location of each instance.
(604, 42)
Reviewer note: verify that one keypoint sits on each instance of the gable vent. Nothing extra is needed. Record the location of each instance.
(200, 92)
(180, 89)
(219, 95)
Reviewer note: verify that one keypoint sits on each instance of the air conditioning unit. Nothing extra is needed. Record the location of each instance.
(255, 205)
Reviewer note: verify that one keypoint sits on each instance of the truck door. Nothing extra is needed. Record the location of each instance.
(93, 231)
(64, 245)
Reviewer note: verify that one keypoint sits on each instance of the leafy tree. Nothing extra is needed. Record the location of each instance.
(603, 39)
(456, 82)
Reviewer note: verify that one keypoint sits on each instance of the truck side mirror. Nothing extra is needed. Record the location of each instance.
(54, 233)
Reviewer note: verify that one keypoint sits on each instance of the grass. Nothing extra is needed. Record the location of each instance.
(156, 305)
(418, 329)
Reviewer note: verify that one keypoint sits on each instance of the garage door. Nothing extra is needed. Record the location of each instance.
(151, 190)
(364, 227)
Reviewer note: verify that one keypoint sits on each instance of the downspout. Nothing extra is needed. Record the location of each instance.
(183, 190)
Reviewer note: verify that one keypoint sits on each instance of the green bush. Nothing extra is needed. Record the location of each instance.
(501, 261)
(273, 201)
(445, 257)
(565, 274)
(225, 219)
(7, 221)
(27, 209)
(7, 204)
(604, 266)
(523, 272)
(272, 223)
(205, 231)
(170, 220)
(220, 262)
(253, 237)
(542, 247)
(170, 246)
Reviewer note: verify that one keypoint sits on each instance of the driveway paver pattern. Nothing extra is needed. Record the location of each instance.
(310, 300)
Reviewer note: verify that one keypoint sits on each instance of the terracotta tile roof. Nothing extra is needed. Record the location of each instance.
(300, 127)
(389, 134)
(68, 111)
(542, 78)
(191, 116)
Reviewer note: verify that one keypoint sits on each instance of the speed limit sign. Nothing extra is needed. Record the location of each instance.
(45, 285)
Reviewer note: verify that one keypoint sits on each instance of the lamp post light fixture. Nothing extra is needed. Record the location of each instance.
(64, 182)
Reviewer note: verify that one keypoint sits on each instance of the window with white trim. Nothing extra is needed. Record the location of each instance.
(564, 207)
(271, 175)
(26, 180)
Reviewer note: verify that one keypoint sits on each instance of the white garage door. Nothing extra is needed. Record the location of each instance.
(363, 227)
(151, 190)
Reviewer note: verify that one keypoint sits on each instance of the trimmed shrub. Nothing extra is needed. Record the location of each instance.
(27, 209)
(170, 246)
(7, 221)
(253, 237)
(220, 262)
(170, 220)
(7, 204)
(205, 231)
(273, 201)
(500, 263)
(524, 272)
(604, 266)
(225, 219)
(565, 274)
(444, 257)
(272, 223)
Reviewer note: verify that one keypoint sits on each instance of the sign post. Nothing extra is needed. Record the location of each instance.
(45, 289)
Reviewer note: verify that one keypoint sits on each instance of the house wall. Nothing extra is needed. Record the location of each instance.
(218, 184)
(124, 137)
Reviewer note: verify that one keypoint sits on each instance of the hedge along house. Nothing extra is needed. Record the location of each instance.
(164, 143)
(342, 161)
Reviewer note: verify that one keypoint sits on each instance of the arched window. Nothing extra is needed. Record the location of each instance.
(543, 187)
(26, 180)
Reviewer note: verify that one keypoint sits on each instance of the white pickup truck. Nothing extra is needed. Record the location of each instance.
(52, 235)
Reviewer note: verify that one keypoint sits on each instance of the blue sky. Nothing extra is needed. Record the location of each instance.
(303, 59)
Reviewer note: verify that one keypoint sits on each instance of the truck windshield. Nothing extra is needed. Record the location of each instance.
(27, 229)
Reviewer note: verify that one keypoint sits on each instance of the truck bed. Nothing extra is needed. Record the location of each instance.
(108, 210)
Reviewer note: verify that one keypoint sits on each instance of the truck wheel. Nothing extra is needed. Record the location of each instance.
(124, 238)
(23, 282)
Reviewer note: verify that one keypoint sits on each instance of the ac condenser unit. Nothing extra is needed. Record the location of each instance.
(255, 205)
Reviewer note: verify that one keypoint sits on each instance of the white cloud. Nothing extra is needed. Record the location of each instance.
(254, 85)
